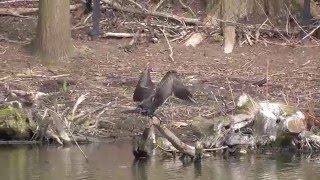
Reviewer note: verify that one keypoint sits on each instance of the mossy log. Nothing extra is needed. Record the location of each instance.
(14, 124)
(264, 121)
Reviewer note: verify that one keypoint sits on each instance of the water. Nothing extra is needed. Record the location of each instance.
(115, 161)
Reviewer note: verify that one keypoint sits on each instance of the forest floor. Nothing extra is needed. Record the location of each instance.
(109, 74)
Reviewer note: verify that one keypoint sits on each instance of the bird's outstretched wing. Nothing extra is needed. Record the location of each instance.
(181, 91)
(145, 86)
(164, 89)
(169, 85)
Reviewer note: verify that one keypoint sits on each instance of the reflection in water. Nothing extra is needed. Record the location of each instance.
(139, 169)
(115, 161)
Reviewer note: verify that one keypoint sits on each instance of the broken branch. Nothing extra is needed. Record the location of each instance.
(175, 141)
(170, 47)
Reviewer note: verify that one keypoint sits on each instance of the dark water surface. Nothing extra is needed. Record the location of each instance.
(115, 161)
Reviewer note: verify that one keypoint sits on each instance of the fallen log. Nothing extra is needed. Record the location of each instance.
(14, 1)
(58, 126)
(175, 141)
(121, 35)
(22, 11)
(14, 123)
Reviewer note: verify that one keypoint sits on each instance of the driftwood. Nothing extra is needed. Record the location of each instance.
(59, 127)
(121, 35)
(194, 39)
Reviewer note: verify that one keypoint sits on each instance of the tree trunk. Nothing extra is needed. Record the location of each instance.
(53, 39)
(228, 10)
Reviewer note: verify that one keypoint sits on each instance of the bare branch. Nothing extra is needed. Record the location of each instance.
(170, 47)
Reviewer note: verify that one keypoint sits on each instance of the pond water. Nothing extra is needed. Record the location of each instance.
(115, 161)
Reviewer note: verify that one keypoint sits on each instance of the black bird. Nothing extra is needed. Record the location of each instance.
(168, 86)
(145, 86)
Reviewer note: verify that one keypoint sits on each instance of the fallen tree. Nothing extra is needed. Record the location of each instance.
(255, 126)
(20, 12)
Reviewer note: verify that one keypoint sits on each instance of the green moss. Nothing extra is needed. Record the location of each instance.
(226, 120)
(288, 110)
(13, 122)
(283, 140)
(202, 127)
(163, 143)
(218, 38)
(246, 108)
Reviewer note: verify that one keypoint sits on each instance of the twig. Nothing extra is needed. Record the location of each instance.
(75, 141)
(306, 63)
(248, 39)
(267, 79)
(310, 33)
(81, 116)
(221, 110)
(166, 150)
(284, 97)
(158, 5)
(261, 7)
(4, 78)
(258, 31)
(188, 8)
(215, 149)
(64, 120)
(295, 20)
(80, 99)
(231, 92)
(13, 41)
(41, 76)
(77, 26)
(168, 43)
(120, 35)
(138, 6)
(159, 14)
(4, 51)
